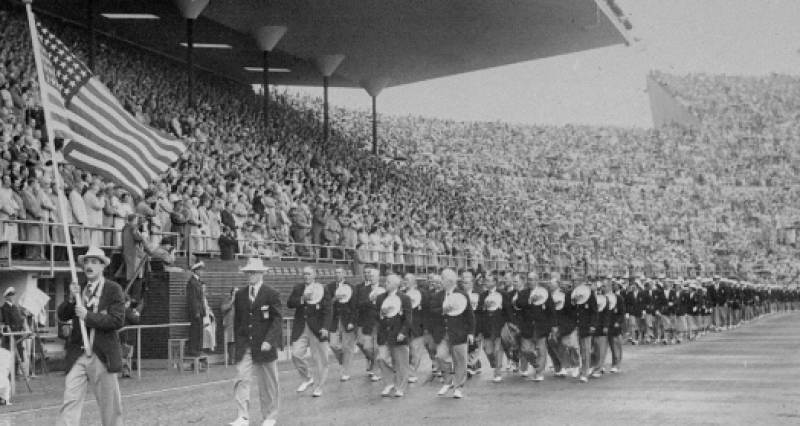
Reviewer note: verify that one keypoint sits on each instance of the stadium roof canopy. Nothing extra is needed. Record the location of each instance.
(407, 41)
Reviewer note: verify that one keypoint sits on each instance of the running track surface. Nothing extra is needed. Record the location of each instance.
(746, 376)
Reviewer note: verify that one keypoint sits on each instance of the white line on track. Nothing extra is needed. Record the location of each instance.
(132, 395)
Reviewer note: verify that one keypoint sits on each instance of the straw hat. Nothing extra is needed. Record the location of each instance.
(415, 296)
(538, 296)
(601, 302)
(455, 304)
(581, 294)
(94, 252)
(254, 264)
(559, 298)
(344, 293)
(391, 306)
(612, 301)
(314, 293)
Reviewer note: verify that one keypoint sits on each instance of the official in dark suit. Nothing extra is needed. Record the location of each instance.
(568, 347)
(258, 335)
(310, 329)
(667, 301)
(366, 333)
(637, 306)
(452, 335)
(103, 311)
(343, 329)
(196, 310)
(394, 328)
(600, 338)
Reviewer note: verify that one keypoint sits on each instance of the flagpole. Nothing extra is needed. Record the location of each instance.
(37, 51)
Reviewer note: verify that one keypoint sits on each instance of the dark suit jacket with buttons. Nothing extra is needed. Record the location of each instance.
(586, 317)
(106, 322)
(390, 328)
(566, 316)
(258, 322)
(617, 317)
(344, 311)
(456, 328)
(637, 303)
(432, 318)
(490, 323)
(524, 314)
(318, 316)
(666, 302)
(718, 296)
(418, 318)
(365, 309)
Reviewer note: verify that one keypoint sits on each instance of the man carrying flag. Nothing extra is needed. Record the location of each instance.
(104, 139)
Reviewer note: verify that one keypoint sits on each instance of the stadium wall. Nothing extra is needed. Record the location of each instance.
(666, 109)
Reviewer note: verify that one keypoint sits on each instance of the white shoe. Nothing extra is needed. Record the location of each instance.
(497, 379)
(317, 393)
(387, 390)
(457, 394)
(537, 378)
(398, 394)
(528, 372)
(412, 379)
(561, 373)
(269, 422)
(375, 378)
(597, 374)
(576, 371)
(584, 379)
(305, 386)
(241, 421)
(443, 391)
(345, 377)
(614, 370)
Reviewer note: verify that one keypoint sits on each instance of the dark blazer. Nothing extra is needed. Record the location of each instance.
(566, 316)
(637, 303)
(344, 311)
(652, 301)
(365, 309)
(718, 296)
(228, 246)
(194, 299)
(490, 323)
(258, 322)
(456, 328)
(586, 317)
(524, 314)
(106, 322)
(617, 318)
(418, 317)
(227, 219)
(667, 302)
(390, 328)
(603, 320)
(692, 303)
(318, 317)
(682, 303)
(432, 318)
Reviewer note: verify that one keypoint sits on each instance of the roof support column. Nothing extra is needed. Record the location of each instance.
(267, 37)
(191, 10)
(91, 34)
(374, 86)
(326, 65)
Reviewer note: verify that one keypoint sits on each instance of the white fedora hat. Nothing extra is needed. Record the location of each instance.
(391, 306)
(94, 252)
(494, 301)
(254, 264)
(315, 293)
(538, 296)
(344, 293)
(456, 303)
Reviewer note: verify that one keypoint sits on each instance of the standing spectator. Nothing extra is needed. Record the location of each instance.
(300, 225)
(34, 233)
(228, 246)
(79, 215)
(196, 305)
(8, 210)
(133, 255)
(95, 201)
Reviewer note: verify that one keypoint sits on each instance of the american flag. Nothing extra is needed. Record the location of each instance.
(102, 137)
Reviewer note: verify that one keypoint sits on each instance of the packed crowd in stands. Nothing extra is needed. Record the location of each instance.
(720, 197)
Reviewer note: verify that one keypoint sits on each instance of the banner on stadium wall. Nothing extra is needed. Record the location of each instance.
(665, 108)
